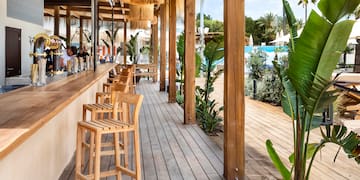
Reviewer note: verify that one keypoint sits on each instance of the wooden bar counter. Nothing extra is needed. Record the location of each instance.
(38, 124)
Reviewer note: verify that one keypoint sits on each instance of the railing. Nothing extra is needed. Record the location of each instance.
(349, 67)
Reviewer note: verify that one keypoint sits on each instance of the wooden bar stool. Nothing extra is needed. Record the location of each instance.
(118, 76)
(103, 97)
(98, 128)
(105, 107)
(124, 78)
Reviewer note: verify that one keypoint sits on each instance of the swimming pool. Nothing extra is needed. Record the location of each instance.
(269, 50)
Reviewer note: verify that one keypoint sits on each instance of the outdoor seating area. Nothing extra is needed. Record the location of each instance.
(179, 89)
(171, 150)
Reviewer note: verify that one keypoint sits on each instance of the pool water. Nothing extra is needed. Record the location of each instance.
(269, 50)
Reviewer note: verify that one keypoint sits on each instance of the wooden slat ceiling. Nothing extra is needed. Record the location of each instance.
(82, 8)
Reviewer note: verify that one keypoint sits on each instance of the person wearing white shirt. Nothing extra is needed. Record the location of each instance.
(67, 55)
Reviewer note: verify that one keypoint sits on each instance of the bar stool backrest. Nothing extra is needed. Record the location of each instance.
(118, 87)
(128, 102)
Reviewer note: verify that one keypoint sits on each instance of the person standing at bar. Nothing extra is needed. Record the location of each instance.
(65, 58)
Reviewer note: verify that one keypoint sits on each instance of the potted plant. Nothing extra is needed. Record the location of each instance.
(306, 80)
(133, 51)
(206, 111)
(112, 38)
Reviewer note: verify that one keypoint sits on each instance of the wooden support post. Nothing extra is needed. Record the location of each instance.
(56, 20)
(234, 139)
(81, 34)
(95, 32)
(155, 46)
(125, 41)
(163, 21)
(98, 26)
(189, 94)
(68, 26)
(357, 58)
(172, 51)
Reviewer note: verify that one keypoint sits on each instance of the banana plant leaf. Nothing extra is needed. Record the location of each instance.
(279, 165)
(317, 51)
(350, 142)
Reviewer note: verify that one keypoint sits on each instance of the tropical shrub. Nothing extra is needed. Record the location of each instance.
(206, 110)
(248, 86)
(312, 59)
(179, 98)
(180, 69)
(270, 88)
(132, 48)
(256, 64)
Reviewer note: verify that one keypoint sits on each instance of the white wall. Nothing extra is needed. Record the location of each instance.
(27, 29)
(46, 153)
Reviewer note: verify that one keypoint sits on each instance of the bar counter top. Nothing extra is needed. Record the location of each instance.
(25, 110)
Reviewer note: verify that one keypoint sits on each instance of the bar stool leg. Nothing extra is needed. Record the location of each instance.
(93, 115)
(84, 113)
(83, 140)
(79, 151)
(97, 155)
(126, 149)
(91, 152)
(117, 154)
(137, 155)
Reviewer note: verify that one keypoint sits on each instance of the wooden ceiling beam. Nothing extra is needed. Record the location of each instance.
(88, 17)
(67, 3)
(85, 9)
(73, 3)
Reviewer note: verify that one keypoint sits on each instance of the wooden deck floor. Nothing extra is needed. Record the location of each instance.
(171, 150)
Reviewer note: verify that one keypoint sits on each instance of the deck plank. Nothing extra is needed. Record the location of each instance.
(166, 150)
(175, 151)
(210, 163)
(171, 165)
(167, 141)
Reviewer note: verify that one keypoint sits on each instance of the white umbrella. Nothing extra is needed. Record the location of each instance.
(281, 34)
(251, 41)
(277, 37)
(355, 30)
(285, 39)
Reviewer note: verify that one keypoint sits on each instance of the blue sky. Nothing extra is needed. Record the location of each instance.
(253, 8)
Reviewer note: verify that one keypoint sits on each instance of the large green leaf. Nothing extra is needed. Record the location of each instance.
(350, 142)
(316, 54)
(335, 10)
(180, 47)
(288, 97)
(279, 165)
(334, 47)
(309, 153)
(214, 50)
(308, 50)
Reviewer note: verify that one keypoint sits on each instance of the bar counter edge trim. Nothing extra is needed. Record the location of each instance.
(8, 148)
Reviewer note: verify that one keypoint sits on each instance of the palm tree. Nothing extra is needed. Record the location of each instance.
(305, 4)
(267, 23)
